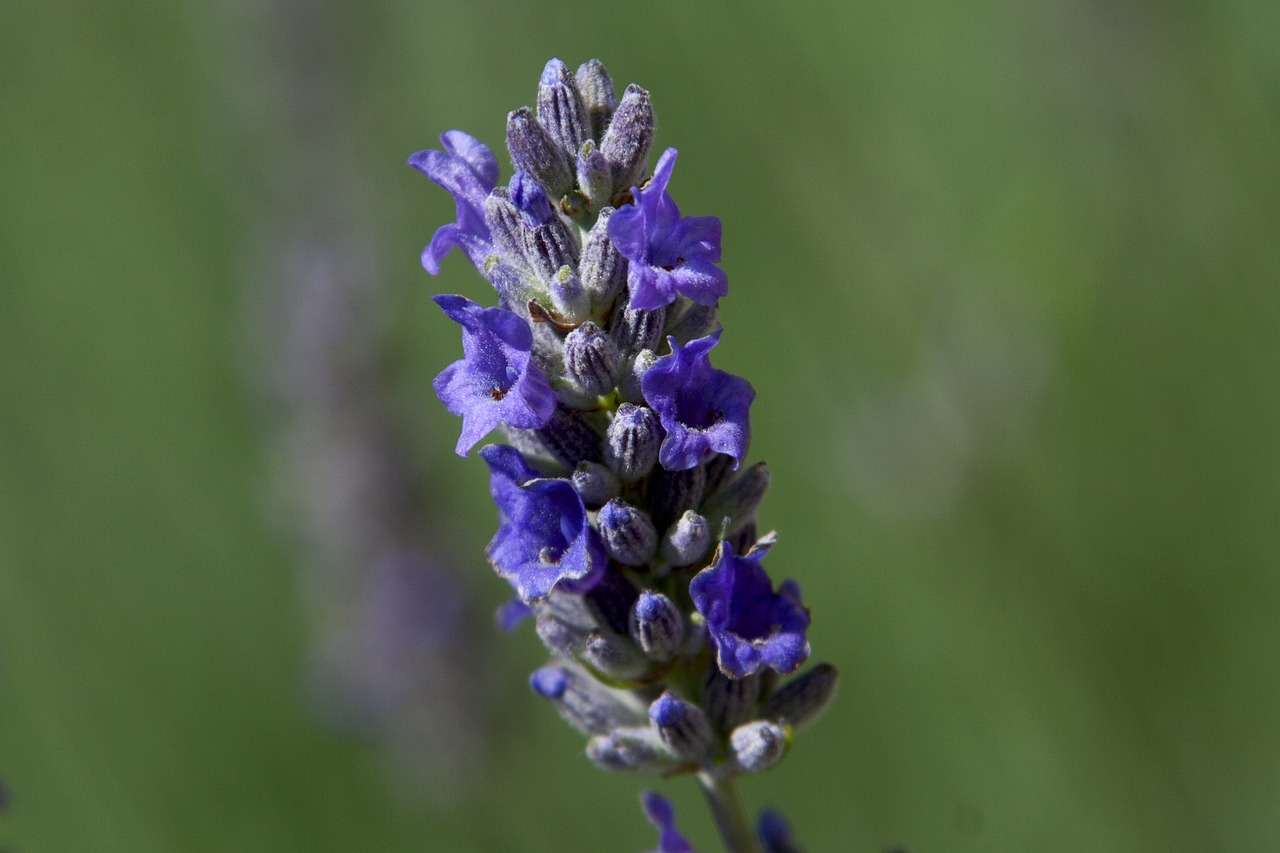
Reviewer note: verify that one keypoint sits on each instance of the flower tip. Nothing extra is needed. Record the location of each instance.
(553, 72)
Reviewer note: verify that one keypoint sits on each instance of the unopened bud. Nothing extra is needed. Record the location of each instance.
(758, 745)
(739, 500)
(628, 533)
(560, 109)
(630, 135)
(696, 321)
(804, 697)
(686, 541)
(560, 639)
(596, 484)
(634, 749)
(596, 88)
(570, 439)
(671, 493)
(682, 726)
(636, 329)
(595, 178)
(729, 702)
(534, 151)
(632, 442)
(614, 656)
(656, 625)
(583, 702)
(603, 268)
(549, 248)
(568, 295)
(629, 386)
(591, 359)
(504, 221)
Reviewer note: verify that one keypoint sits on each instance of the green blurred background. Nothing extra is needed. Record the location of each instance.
(1005, 280)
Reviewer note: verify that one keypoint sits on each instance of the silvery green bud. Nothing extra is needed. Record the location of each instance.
(636, 330)
(595, 483)
(595, 178)
(630, 135)
(628, 533)
(568, 295)
(656, 625)
(739, 500)
(534, 151)
(596, 88)
(614, 656)
(681, 725)
(804, 697)
(629, 386)
(633, 749)
(591, 359)
(730, 702)
(511, 285)
(632, 442)
(583, 702)
(505, 224)
(603, 268)
(560, 109)
(696, 321)
(758, 745)
(687, 541)
(671, 493)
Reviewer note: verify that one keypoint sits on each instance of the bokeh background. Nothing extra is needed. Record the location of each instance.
(1005, 278)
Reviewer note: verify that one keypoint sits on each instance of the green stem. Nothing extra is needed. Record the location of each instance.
(730, 813)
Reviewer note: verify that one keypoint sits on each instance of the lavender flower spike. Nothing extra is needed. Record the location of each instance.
(495, 382)
(703, 410)
(752, 627)
(469, 171)
(658, 810)
(669, 255)
(544, 537)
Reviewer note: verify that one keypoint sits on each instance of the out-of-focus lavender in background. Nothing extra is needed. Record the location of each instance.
(399, 646)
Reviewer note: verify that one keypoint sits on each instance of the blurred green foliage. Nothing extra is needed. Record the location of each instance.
(1004, 276)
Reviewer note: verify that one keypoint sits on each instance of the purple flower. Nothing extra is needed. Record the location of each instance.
(668, 254)
(703, 410)
(751, 626)
(495, 382)
(658, 810)
(544, 538)
(468, 170)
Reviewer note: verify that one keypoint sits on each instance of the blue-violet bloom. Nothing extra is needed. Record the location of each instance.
(495, 382)
(662, 815)
(468, 170)
(669, 255)
(544, 537)
(703, 410)
(751, 626)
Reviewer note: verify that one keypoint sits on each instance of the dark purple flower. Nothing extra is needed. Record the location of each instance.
(658, 810)
(703, 410)
(495, 382)
(544, 538)
(468, 170)
(668, 254)
(775, 833)
(751, 626)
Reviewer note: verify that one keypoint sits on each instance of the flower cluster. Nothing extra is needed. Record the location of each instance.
(627, 519)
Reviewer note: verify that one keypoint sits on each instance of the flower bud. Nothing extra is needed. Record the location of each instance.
(583, 702)
(570, 439)
(534, 151)
(682, 726)
(568, 296)
(758, 745)
(614, 656)
(560, 109)
(729, 702)
(595, 483)
(635, 329)
(671, 493)
(696, 321)
(804, 697)
(633, 749)
(656, 625)
(628, 533)
(610, 602)
(595, 178)
(632, 441)
(629, 386)
(591, 359)
(739, 500)
(504, 221)
(686, 541)
(627, 141)
(596, 88)
(559, 638)
(603, 268)
(549, 248)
